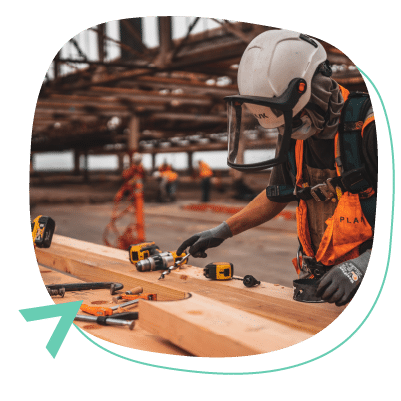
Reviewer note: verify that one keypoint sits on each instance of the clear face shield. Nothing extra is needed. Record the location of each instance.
(253, 140)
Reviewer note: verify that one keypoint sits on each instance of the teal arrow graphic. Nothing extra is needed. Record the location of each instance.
(67, 311)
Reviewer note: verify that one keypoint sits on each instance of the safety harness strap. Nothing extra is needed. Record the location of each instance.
(353, 171)
(353, 176)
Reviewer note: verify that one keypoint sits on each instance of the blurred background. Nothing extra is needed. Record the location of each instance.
(155, 86)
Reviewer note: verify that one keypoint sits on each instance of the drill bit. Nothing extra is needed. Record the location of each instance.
(176, 264)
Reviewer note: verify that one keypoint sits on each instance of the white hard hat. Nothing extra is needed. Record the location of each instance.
(136, 158)
(270, 62)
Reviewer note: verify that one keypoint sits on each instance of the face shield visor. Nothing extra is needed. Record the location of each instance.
(253, 140)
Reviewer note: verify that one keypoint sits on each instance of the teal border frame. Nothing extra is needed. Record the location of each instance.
(320, 356)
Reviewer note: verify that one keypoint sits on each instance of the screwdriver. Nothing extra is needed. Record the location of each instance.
(148, 296)
(176, 264)
(102, 311)
(106, 321)
(133, 291)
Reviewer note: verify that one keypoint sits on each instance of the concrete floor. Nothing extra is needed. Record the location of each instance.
(264, 252)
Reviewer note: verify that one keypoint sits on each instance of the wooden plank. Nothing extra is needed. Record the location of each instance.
(92, 262)
(92, 267)
(137, 338)
(208, 328)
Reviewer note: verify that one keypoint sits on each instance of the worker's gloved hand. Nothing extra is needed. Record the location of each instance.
(340, 283)
(198, 243)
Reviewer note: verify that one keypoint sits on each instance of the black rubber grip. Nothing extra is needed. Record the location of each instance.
(124, 315)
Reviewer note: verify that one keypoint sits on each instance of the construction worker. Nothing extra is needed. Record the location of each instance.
(170, 177)
(205, 173)
(164, 167)
(325, 158)
(135, 171)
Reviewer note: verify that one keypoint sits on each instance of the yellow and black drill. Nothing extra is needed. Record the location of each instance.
(161, 261)
(142, 251)
(42, 231)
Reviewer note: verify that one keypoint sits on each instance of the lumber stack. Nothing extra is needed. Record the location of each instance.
(193, 313)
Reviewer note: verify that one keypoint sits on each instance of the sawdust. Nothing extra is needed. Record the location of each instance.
(98, 302)
(183, 277)
(195, 312)
(91, 327)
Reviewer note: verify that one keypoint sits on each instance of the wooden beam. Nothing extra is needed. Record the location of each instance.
(91, 262)
(209, 328)
(134, 134)
(165, 41)
(92, 267)
(138, 338)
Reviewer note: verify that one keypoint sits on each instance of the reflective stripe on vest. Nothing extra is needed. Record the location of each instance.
(346, 230)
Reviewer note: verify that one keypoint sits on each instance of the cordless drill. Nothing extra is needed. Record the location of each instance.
(42, 231)
(161, 261)
(142, 251)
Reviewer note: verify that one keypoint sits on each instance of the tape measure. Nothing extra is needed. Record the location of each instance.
(219, 271)
(225, 271)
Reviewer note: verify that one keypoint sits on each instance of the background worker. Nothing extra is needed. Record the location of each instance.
(205, 174)
(164, 167)
(167, 183)
(162, 180)
(285, 82)
(170, 178)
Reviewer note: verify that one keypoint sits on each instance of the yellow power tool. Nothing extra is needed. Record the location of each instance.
(142, 251)
(42, 231)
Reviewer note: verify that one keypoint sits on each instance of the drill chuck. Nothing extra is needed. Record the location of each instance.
(162, 261)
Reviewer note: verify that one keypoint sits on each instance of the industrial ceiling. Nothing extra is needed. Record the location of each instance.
(167, 98)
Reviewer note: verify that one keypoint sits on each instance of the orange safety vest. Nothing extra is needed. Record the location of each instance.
(171, 175)
(205, 170)
(346, 230)
(135, 171)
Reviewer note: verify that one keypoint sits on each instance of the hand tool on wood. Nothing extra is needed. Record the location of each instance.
(149, 297)
(219, 271)
(106, 321)
(42, 228)
(82, 287)
(225, 271)
(305, 290)
(142, 251)
(176, 264)
(133, 291)
(130, 315)
(60, 291)
(161, 261)
(102, 311)
(248, 281)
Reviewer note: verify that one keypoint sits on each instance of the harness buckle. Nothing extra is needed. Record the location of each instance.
(323, 192)
(312, 267)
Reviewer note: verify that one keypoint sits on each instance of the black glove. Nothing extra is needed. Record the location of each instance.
(206, 239)
(340, 283)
